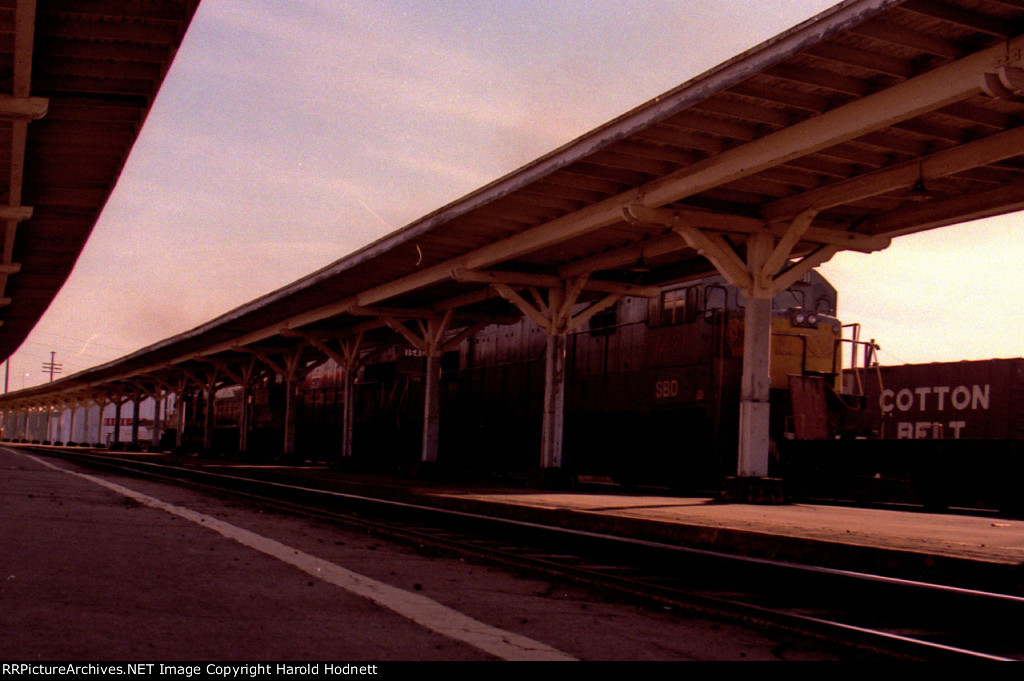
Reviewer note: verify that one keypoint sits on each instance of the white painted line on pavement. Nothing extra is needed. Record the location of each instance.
(424, 611)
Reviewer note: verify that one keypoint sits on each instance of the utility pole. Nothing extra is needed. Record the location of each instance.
(54, 368)
(7, 377)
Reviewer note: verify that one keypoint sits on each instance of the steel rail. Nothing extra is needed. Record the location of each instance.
(818, 627)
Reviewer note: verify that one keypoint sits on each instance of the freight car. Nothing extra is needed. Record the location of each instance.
(652, 390)
(980, 400)
(940, 434)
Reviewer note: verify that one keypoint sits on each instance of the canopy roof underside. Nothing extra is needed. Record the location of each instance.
(875, 119)
(78, 80)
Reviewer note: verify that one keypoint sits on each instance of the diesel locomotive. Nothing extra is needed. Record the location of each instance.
(652, 397)
(652, 388)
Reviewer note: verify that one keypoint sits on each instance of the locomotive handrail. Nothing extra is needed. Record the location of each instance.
(870, 348)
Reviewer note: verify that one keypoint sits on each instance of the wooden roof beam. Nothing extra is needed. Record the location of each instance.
(959, 16)
(897, 35)
(1005, 199)
(935, 89)
(871, 61)
(948, 162)
(551, 281)
(805, 103)
(744, 112)
(427, 313)
(710, 125)
(23, 108)
(636, 254)
(687, 221)
(823, 79)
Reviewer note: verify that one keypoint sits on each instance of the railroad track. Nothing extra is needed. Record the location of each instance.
(875, 614)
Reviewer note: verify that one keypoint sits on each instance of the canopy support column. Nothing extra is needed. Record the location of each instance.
(210, 387)
(348, 362)
(293, 370)
(770, 263)
(159, 404)
(248, 371)
(86, 408)
(101, 404)
(554, 313)
(553, 422)
(136, 399)
(755, 385)
(119, 402)
(180, 402)
(243, 378)
(73, 407)
(429, 338)
(758, 278)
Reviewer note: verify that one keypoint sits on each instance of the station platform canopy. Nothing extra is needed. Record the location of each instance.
(79, 80)
(872, 120)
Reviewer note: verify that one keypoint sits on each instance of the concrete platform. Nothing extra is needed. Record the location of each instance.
(984, 553)
(974, 552)
(101, 566)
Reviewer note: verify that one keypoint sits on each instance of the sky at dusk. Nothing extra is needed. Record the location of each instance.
(288, 134)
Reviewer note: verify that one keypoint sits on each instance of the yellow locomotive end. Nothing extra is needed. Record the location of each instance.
(803, 342)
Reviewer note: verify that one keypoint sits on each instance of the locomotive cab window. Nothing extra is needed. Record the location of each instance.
(678, 306)
(603, 323)
(715, 298)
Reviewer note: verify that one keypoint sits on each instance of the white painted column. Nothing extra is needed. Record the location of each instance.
(211, 392)
(86, 408)
(101, 405)
(755, 389)
(243, 417)
(553, 424)
(430, 340)
(348, 408)
(181, 405)
(118, 402)
(555, 316)
(432, 407)
(158, 421)
(291, 415)
(347, 358)
(136, 400)
(294, 368)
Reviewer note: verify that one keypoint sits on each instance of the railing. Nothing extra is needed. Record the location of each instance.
(863, 356)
